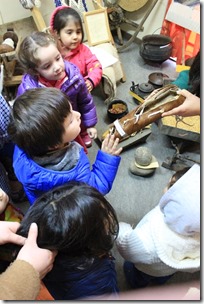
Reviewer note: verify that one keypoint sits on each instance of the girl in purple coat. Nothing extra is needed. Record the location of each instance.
(40, 58)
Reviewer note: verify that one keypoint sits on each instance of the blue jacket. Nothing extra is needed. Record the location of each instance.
(37, 180)
(68, 282)
(74, 87)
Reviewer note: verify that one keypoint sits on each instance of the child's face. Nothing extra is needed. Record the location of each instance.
(72, 126)
(51, 64)
(71, 35)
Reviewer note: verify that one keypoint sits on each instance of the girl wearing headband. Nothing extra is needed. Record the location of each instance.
(66, 26)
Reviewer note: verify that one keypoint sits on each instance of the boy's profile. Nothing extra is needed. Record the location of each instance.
(43, 126)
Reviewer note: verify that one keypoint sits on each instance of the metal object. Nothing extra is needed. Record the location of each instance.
(172, 163)
(156, 48)
(117, 17)
(157, 78)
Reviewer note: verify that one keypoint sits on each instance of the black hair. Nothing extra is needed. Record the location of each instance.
(63, 16)
(74, 219)
(194, 76)
(37, 118)
(177, 175)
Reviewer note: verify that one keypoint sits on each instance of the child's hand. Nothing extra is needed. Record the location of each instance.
(4, 199)
(92, 132)
(89, 85)
(109, 145)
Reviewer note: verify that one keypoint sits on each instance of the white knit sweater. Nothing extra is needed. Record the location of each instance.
(156, 249)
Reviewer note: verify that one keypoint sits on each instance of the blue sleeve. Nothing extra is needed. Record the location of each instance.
(104, 171)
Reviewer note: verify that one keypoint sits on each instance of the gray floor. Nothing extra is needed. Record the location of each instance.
(133, 196)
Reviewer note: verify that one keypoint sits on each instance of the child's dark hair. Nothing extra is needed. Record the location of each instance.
(176, 176)
(37, 118)
(62, 17)
(194, 76)
(27, 51)
(74, 219)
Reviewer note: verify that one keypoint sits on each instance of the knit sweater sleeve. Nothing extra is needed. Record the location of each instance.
(136, 245)
(19, 282)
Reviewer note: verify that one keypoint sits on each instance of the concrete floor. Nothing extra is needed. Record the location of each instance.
(133, 196)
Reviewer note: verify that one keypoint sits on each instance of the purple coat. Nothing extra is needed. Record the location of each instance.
(74, 87)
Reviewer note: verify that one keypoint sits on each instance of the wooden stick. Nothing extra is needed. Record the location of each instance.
(38, 19)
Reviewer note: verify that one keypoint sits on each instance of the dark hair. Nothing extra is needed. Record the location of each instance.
(37, 118)
(27, 51)
(175, 177)
(194, 76)
(74, 219)
(63, 16)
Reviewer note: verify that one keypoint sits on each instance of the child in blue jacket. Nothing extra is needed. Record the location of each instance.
(43, 126)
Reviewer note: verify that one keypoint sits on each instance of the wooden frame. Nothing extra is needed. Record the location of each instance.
(97, 26)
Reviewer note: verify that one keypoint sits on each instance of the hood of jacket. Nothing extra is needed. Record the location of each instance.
(181, 203)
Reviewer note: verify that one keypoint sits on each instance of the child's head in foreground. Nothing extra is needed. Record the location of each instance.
(74, 219)
(42, 121)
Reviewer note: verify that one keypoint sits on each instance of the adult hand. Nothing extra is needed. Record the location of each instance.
(41, 259)
(8, 233)
(190, 106)
(110, 145)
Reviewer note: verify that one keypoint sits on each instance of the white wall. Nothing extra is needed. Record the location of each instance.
(12, 10)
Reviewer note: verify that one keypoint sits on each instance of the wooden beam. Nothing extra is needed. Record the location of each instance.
(38, 19)
(15, 80)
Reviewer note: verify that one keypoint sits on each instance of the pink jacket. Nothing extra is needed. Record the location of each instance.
(90, 67)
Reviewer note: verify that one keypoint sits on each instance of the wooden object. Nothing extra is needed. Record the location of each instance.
(38, 19)
(133, 139)
(159, 101)
(102, 34)
(9, 61)
(97, 27)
